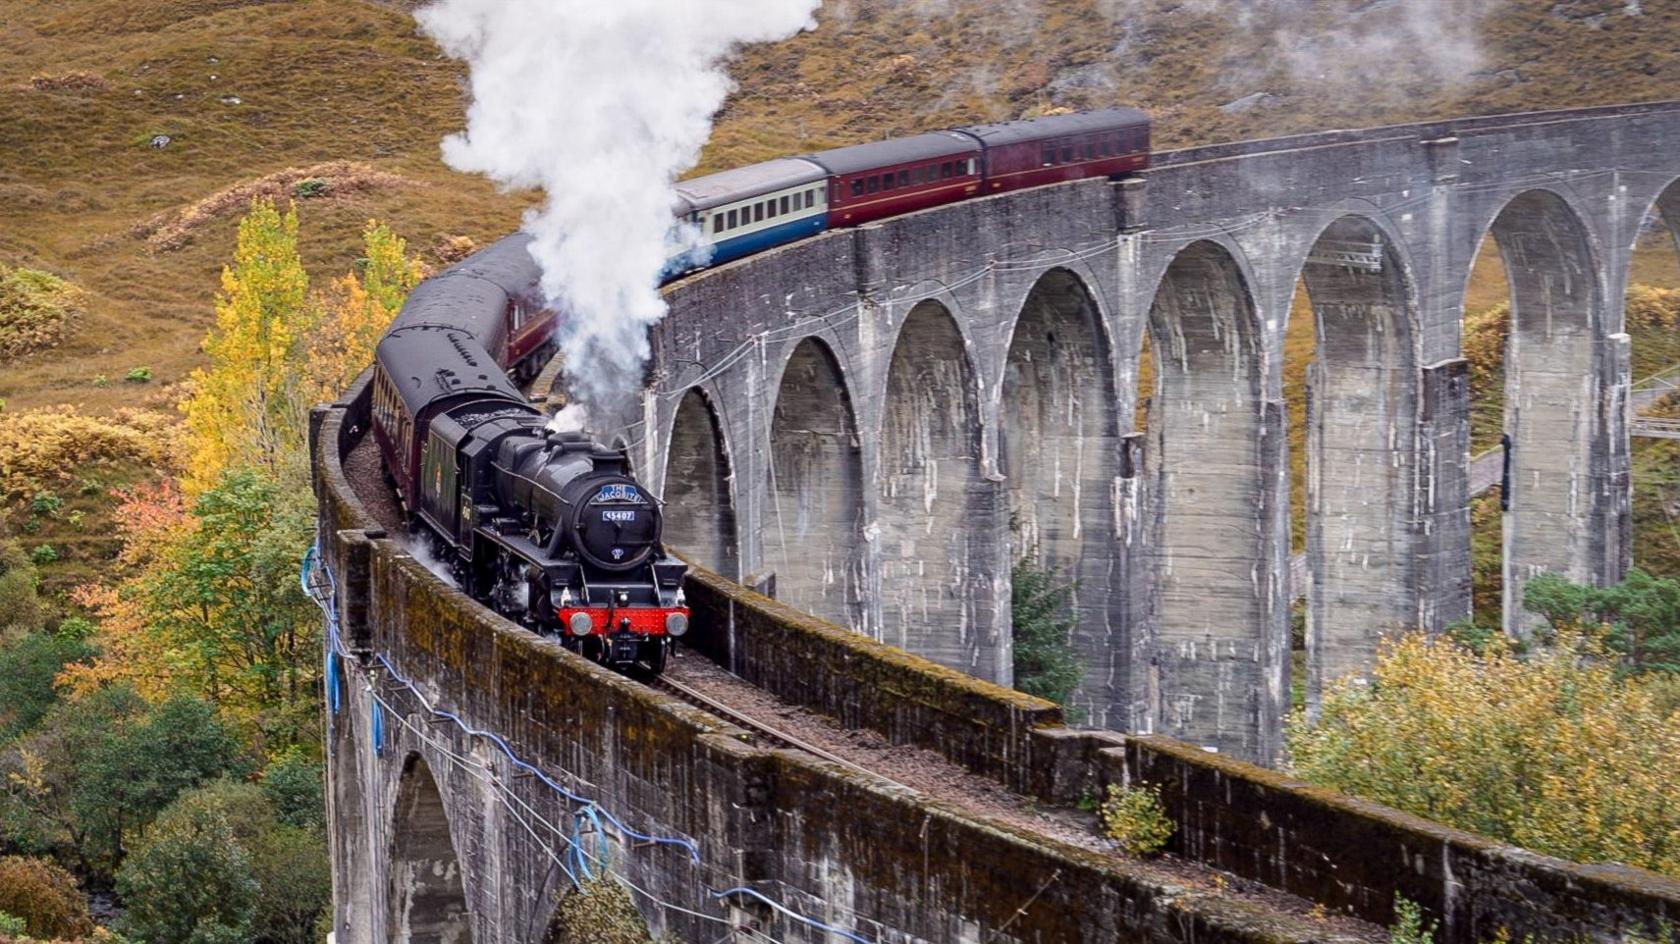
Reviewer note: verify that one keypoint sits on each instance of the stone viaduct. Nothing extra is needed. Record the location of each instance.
(877, 422)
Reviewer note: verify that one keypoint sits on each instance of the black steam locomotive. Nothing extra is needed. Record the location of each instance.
(548, 528)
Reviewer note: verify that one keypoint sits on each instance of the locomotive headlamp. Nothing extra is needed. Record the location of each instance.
(580, 624)
(676, 624)
(623, 598)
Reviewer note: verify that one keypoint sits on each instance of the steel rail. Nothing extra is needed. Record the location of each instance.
(735, 716)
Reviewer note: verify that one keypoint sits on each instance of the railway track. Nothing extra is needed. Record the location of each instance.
(768, 732)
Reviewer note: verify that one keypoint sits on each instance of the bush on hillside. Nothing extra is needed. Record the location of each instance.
(1639, 617)
(296, 787)
(40, 449)
(20, 606)
(100, 767)
(34, 308)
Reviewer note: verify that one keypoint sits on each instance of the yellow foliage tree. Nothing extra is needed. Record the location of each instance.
(356, 310)
(1549, 750)
(248, 408)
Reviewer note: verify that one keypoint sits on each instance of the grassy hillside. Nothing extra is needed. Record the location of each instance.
(246, 88)
(340, 104)
(242, 90)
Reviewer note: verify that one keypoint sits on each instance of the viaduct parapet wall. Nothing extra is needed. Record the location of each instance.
(876, 423)
(469, 762)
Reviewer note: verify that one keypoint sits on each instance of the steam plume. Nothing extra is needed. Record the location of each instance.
(602, 105)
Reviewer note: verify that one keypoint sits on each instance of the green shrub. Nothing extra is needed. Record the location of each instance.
(1135, 818)
(12, 926)
(46, 503)
(189, 881)
(311, 187)
(138, 375)
(29, 667)
(296, 787)
(1409, 926)
(289, 865)
(43, 554)
(1046, 663)
(44, 898)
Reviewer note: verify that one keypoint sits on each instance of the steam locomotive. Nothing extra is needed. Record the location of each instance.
(545, 527)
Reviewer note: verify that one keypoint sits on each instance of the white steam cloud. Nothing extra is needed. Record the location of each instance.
(602, 105)
(1368, 49)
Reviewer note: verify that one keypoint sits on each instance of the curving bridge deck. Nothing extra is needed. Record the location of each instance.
(877, 422)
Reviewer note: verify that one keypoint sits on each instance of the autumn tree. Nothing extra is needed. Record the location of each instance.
(215, 610)
(248, 407)
(357, 308)
(1552, 750)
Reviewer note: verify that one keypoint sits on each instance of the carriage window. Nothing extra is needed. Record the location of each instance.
(874, 184)
(786, 204)
(857, 187)
(758, 213)
(944, 170)
(732, 219)
(717, 223)
(887, 180)
(1049, 156)
(904, 178)
(1067, 154)
(973, 167)
(810, 199)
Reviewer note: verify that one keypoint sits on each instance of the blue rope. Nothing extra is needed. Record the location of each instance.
(378, 730)
(335, 683)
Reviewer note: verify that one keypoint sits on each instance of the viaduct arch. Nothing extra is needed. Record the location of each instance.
(980, 442)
